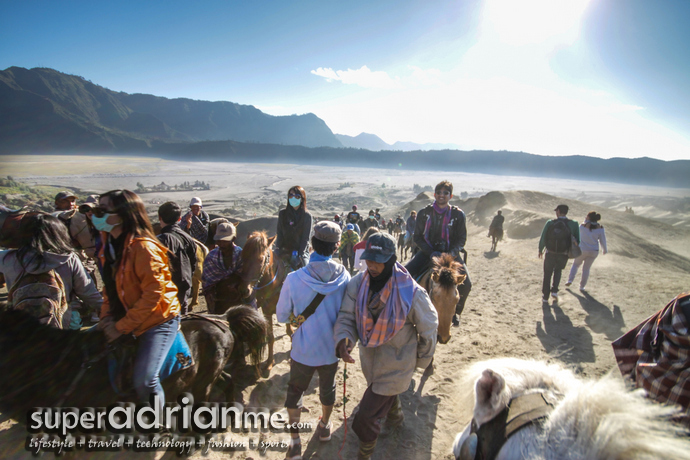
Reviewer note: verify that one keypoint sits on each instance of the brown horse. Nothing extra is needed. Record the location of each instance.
(261, 278)
(441, 282)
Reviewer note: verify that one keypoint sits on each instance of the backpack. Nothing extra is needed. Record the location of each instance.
(559, 237)
(40, 295)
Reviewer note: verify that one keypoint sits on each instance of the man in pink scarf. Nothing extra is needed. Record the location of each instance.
(440, 228)
(395, 323)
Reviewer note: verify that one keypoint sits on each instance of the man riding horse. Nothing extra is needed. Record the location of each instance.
(440, 228)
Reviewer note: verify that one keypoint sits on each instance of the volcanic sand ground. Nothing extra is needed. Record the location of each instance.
(648, 264)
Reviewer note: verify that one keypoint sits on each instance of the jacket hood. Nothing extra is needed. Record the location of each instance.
(51, 261)
(323, 277)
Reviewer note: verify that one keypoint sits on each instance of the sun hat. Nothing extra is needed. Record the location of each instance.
(195, 201)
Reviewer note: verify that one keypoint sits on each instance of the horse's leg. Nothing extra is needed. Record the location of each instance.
(227, 385)
(268, 364)
(429, 369)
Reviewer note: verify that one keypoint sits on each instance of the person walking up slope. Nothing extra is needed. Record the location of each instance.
(591, 234)
(556, 238)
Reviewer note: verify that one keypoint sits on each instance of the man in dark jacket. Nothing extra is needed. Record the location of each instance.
(182, 257)
(440, 227)
(556, 252)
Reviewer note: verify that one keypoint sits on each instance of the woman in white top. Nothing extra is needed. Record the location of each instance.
(591, 235)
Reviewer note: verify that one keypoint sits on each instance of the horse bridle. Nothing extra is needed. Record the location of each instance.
(268, 261)
(488, 439)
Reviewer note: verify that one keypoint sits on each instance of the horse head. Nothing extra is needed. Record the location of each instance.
(443, 291)
(11, 226)
(256, 261)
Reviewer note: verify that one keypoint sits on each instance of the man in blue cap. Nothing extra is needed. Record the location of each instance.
(396, 324)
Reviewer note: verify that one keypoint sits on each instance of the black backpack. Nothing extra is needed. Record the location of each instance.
(559, 237)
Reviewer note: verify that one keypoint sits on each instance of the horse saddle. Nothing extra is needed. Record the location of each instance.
(121, 364)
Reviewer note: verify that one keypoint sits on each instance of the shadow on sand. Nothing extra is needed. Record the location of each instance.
(561, 339)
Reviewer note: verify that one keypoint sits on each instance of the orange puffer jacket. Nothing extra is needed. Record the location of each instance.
(144, 285)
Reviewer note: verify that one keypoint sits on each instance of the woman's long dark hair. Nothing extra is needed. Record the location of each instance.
(41, 233)
(132, 211)
(303, 194)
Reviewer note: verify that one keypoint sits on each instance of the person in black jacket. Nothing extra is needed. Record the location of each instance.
(182, 256)
(441, 227)
(294, 229)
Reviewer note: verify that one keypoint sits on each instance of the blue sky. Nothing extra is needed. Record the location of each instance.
(606, 78)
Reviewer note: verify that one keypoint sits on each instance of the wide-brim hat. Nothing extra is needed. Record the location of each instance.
(225, 232)
(380, 248)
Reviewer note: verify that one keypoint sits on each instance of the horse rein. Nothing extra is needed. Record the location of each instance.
(268, 261)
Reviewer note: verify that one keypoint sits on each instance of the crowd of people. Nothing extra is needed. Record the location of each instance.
(369, 299)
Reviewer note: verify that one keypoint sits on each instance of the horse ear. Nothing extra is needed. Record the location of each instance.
(459, 279)
(271, 240)
(489, 388)
(434, 277)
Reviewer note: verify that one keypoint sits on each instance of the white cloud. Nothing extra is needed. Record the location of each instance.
(363, 77)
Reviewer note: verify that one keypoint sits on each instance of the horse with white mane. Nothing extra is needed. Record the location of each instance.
(534, 410)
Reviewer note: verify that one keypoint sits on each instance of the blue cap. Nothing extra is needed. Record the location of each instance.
(380, 248)
(350, 227)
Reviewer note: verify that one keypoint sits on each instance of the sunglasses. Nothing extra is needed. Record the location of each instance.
(100, 211)
(443, 192)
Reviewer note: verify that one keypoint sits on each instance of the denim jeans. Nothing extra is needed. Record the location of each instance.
(152, 348)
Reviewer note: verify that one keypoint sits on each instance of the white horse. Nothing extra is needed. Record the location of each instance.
(546, 412)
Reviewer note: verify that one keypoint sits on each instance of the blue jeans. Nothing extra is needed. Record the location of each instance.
(153, 346)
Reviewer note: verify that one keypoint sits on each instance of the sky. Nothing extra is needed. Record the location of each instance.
(603, 78)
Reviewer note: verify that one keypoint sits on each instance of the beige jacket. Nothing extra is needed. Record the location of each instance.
(389, 367)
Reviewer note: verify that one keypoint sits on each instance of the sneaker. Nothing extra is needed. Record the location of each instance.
(95, 318)
(583, 289)
(324, 431)
(554, 295)
(294, 452)
(456, 321)
(568, 284)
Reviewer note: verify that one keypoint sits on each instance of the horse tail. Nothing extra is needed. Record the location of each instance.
(250, 327)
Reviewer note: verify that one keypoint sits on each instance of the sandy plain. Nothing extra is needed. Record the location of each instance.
(647, 265)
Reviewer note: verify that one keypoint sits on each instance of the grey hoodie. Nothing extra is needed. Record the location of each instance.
(68, 267)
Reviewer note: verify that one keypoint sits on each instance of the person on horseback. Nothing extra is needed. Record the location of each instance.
(221, 262)
(409, 226)
(182, 252)
(440, 227)
(45, 246)
(347, 247)
(294, 229)
(196, 221)
(386, 310)
(313, 293)
(496, 229)
(140, 297)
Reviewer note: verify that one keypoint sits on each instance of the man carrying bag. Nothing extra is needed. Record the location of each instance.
(310, 299)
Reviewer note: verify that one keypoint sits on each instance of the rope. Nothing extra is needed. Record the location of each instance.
(344, 403)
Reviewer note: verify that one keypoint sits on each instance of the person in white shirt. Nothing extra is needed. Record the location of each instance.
(591, 236)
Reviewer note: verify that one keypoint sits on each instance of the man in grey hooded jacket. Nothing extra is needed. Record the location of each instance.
(313, 346)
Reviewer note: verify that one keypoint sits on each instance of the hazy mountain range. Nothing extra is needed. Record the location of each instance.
(46, 111)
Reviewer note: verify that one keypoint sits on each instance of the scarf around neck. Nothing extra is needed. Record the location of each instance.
(445, 234)
(396, 297)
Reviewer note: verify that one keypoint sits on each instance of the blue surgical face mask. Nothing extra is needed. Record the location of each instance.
(101, 224)
(295, 202)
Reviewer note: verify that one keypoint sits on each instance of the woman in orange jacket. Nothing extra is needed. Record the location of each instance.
(139, 295)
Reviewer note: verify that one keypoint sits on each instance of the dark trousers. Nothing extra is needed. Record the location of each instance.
(421, 262)
(300, 378)
(348, 262)
(372, 407)
(553, 265)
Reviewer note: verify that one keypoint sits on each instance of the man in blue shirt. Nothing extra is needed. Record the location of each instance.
(313, 345)
(556, 238)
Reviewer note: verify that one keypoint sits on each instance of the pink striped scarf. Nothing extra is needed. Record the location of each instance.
(396, 295)
(445, 234)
